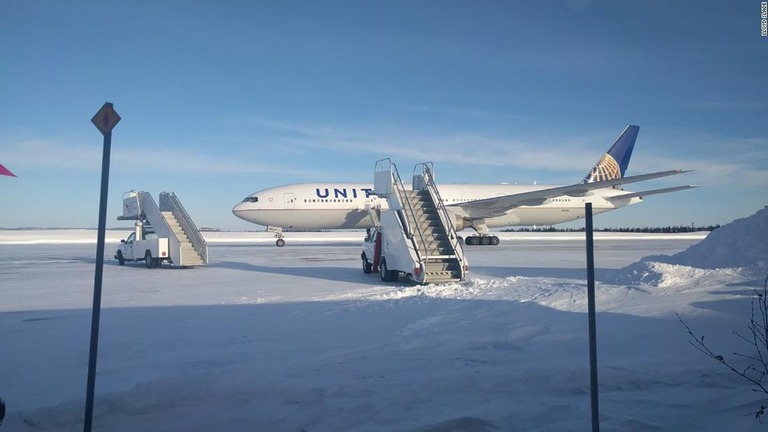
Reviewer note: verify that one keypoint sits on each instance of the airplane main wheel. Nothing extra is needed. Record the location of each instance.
(280, 243)
(481, 240)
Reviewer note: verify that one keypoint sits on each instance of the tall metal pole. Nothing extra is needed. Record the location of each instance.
(97, 283)
(592, 320)
(104, 120)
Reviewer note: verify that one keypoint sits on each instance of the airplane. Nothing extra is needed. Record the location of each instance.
(316, 206)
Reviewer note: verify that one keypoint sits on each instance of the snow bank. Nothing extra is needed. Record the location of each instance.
(662, 274)
(738, 247)
(741, 243)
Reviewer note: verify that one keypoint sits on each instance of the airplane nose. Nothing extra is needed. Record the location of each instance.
(239, 211)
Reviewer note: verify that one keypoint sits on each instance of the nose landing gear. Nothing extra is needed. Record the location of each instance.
(280, 242)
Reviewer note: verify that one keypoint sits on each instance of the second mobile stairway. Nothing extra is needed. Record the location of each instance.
(186, 245)
(418, 235)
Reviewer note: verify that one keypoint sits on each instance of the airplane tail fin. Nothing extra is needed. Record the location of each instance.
(614, 163)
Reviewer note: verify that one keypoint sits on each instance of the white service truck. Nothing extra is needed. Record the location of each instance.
(143, 245)
(386, 251)
(371, 254)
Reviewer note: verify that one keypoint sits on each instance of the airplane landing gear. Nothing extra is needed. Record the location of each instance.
(280, 242)
(482, 240)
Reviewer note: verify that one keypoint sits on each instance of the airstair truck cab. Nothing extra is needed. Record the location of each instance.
(143, 245)
(371, 250)
(172, 232)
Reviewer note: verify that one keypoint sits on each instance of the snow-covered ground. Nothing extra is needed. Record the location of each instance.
(299, 339)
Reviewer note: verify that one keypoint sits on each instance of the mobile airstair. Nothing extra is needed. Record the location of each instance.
(186, 245)
(418, 235)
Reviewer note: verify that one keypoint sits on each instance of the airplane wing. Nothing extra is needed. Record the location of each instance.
(497, 206)
(650, 192)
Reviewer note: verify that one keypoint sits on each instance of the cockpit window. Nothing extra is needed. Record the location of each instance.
(251, 199)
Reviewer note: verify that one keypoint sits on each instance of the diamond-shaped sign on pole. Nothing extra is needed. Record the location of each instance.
(106, 118)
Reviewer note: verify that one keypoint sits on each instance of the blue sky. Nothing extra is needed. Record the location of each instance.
(221, 99)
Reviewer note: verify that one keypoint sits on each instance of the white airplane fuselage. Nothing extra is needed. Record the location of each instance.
(478, 206)
(343, 205)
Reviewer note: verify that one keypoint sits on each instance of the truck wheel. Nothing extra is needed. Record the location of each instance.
(383, 271)
(367, 267)
(120, 259)
(149, 261)
(386, 274)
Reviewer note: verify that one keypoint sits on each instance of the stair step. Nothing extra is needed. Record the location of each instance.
(189, 255)
(444, 267)
(432, 239)
(450, 273)
(442, 277)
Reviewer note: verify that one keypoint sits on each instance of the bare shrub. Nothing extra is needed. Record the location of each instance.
(756, 355)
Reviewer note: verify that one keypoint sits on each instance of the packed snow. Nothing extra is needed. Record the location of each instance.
(738, 247)
(299, 339)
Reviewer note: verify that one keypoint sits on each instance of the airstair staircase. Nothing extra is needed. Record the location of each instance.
(186, 245)
(428, 237)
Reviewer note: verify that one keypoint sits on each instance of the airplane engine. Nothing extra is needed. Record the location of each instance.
(460, 223)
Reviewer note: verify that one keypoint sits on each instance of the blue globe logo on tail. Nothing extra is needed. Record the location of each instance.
(614, 163)
(606, 169)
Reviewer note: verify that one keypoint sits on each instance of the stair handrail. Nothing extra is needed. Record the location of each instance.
(153, 215)
(403, 197)
(397, 183)
(382, 176)
(442, 211)
(186, 222)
